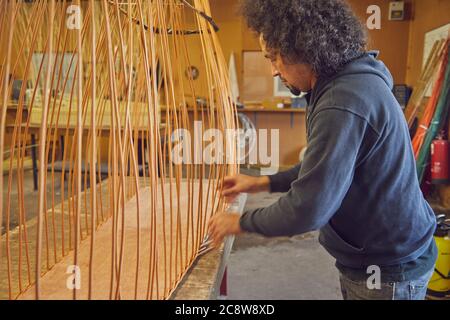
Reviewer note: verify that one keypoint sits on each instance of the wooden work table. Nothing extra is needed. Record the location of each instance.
(272, 110)
(208, 273)
(33, 130)
(201, 281)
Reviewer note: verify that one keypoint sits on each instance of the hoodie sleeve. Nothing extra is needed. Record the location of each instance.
(281, 182)
(323, 181)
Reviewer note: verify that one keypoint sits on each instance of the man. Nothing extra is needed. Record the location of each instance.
(357, 183)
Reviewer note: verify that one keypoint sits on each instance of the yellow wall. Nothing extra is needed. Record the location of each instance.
(426, 16)
(391, 40)
(400, 42)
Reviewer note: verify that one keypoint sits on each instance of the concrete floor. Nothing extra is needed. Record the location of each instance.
(295, 268)
(30, 197)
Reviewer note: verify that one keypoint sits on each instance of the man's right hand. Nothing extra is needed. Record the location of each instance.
(234, 185)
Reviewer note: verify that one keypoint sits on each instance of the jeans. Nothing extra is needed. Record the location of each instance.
(406, 290)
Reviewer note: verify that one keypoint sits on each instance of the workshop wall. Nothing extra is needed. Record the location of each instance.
(400, 42)
(391, 40)
(425, 16)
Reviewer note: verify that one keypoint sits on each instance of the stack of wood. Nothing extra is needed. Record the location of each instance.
(430, 109)
(425, 81)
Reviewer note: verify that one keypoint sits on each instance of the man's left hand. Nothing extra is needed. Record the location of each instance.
(222, 225)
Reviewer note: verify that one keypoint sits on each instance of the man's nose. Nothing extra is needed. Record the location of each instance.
(275, 72)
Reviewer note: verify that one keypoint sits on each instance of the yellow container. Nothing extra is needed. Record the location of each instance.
(439, 285)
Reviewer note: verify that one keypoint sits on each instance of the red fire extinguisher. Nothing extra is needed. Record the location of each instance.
(439, 160)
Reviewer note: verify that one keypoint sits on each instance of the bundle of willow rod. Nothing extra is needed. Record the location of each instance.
(430, 108)
(425, 81)
(109, 82)
(438, 121)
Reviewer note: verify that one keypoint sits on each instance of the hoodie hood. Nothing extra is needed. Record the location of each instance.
(365, 64)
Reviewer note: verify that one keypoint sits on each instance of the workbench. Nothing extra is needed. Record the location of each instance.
(201, 281)
(63, 131)
(207, 279)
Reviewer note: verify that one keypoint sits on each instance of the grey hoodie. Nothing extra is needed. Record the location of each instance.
(358, 182)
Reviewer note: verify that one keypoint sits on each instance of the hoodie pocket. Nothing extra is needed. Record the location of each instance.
(330, 239)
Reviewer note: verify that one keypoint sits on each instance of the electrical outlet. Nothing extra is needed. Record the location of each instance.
(397, 10)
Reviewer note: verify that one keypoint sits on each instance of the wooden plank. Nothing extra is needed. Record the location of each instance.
(54, 282)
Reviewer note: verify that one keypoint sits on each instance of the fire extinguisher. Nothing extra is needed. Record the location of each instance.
(439, 160)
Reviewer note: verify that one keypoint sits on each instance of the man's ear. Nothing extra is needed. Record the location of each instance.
(262, 43)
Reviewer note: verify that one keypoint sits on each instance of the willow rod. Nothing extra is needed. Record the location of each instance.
(42, 161)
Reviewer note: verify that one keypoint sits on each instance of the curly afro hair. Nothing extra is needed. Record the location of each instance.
(324, 34)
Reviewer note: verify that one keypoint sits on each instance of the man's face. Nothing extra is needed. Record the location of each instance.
(297, 77)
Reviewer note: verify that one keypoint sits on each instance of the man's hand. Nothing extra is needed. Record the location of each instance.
(222, 225)
(234, 185)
